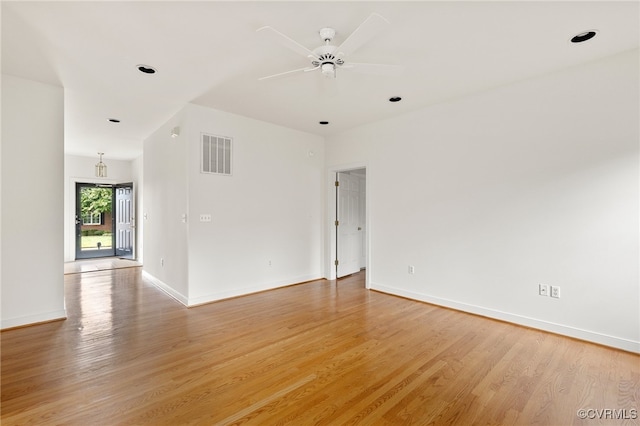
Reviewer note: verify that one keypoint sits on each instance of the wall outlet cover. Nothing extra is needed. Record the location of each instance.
(543, 290)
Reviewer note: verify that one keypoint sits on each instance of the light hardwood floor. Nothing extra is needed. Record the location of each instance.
(316, 353)
(100, 264)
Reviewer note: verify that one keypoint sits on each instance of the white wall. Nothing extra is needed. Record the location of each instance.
(269, 210)
(488, 196)
(165, 192)
(32, 202)
(82, 169)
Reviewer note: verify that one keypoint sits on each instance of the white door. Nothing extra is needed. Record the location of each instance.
(124, 220)
(363, 221)
(349, 245)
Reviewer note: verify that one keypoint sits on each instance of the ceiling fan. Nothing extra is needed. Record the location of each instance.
(328, 58)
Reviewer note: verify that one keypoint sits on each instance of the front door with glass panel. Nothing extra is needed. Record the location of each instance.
(94, 221)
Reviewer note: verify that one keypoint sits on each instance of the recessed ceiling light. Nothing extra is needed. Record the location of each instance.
(114, 120)
(146, 69)
(584, 36)
(324, 123)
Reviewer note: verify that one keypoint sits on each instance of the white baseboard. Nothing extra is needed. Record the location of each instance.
(191, 302)
(253, 289)
(590, 336)
(165, 288)
(34, 319)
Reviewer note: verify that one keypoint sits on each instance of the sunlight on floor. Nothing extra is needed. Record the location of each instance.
(102, 264)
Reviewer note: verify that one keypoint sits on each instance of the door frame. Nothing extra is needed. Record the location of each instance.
(70, 212)
(330, 230)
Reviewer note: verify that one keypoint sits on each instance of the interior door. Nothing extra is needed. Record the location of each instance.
(124, 220)
(349, 241)
(363, 221)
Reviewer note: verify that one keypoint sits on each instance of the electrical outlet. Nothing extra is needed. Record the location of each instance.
(543, 290)
(412, 270)
(205, 218)
(161, 261)
(555, 291)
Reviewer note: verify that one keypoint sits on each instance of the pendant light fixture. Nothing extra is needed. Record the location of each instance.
(101, 168)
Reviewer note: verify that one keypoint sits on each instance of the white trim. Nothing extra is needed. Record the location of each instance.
(225, 294)
(34, 319)
(253, 289)
(565, 330)
(165, 288)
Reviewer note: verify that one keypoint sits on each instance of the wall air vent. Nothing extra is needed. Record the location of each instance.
(216, 154)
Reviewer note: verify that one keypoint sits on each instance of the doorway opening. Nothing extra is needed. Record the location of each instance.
(104, 220)
(350, 222)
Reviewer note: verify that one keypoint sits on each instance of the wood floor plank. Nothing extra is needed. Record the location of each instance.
(322, 353)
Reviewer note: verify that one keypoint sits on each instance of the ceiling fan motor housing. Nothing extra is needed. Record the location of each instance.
(325, 55)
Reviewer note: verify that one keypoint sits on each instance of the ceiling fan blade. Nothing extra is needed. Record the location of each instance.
(365, 32)
(377, 69)
(282, 74)
(287, 42)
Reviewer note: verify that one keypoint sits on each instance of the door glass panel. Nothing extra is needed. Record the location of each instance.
(94, 223)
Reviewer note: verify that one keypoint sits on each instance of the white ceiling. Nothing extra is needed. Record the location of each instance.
(209, 53)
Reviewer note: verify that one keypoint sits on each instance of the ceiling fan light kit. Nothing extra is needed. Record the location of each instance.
(328, 58)
(328, 70)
